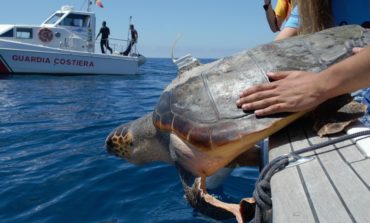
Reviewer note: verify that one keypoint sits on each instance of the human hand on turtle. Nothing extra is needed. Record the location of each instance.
(356, 50)
(291, 91)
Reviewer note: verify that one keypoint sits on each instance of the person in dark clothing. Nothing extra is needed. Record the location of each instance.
(104, 41)
(134, 37)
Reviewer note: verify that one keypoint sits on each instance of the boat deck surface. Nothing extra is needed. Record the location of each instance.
(333, 187)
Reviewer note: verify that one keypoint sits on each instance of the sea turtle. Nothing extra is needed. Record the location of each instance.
(197, 127)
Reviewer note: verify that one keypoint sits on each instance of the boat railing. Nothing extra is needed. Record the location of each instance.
(118, 45)
(74, 42)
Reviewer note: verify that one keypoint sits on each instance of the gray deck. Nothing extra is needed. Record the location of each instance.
(334, 187)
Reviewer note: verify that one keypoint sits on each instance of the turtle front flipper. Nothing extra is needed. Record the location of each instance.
(334, 115)
(197, 196)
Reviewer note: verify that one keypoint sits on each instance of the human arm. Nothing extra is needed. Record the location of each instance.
(135, 36)
(98, 34)
(290, 27)
(271, 17)
(286, 33)
(294, 91)
(282, 11)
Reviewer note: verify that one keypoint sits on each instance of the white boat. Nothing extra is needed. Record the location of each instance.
(63, 44)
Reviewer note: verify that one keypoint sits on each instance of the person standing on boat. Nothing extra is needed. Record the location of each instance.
(276, 17)
(104, 41)
(134, 37)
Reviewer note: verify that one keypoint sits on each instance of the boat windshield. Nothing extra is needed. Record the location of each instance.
(54, 18)
(76, 20)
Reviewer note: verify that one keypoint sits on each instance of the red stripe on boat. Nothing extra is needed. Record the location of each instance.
(3, 68)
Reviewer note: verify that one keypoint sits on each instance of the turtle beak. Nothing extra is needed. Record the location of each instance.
(109, 145)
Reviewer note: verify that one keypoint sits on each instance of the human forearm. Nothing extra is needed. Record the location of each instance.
(271, 17)
(347, 76)
(286, 33)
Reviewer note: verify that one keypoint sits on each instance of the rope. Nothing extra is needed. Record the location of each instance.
(262, 192)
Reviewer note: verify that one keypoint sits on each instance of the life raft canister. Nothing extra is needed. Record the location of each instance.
(45, 35)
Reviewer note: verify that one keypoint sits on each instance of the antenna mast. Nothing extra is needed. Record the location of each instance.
(89, 3)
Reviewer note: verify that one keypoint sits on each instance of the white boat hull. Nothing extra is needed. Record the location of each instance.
(18, 58)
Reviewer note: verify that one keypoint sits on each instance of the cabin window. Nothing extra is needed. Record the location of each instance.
(76, 20)
(8, 33)
(54, 18)
(24, 33)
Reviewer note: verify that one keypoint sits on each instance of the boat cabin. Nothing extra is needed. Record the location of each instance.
(66, 28)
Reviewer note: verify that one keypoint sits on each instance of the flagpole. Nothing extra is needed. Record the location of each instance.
(89, 3)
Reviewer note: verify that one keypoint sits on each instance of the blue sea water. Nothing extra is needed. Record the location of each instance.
(53, 165)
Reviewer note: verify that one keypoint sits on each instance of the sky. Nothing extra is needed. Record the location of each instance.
(208, 28)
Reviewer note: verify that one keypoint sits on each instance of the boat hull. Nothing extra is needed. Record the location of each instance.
(18, 58)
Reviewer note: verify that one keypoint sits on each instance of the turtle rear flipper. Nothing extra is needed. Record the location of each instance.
(198, 197)
(334, 115)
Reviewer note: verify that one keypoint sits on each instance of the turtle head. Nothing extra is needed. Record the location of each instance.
(120, 141)
(138, 142)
